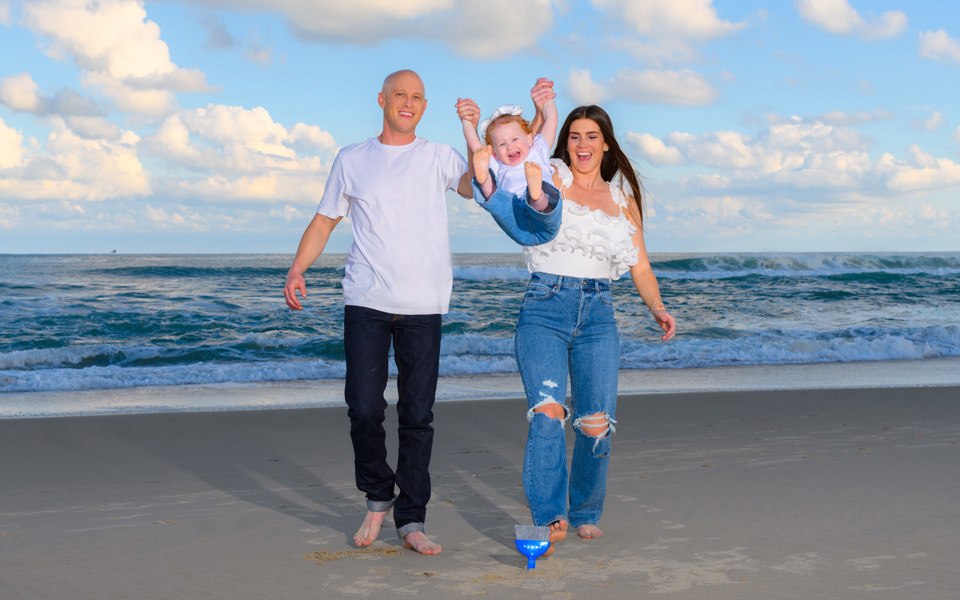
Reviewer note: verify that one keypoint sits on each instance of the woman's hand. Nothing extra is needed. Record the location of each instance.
(666, 322)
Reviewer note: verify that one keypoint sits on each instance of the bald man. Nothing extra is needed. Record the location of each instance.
(397, 283)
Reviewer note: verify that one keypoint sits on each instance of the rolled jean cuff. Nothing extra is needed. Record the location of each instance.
(409, 528)
(380, 505)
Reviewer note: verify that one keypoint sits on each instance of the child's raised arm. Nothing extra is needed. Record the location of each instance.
(542, 95)
(469, 113)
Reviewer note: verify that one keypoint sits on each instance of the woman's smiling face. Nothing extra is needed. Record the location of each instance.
(585, 146)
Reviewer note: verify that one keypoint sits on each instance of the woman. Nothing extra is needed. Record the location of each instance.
(566, 324)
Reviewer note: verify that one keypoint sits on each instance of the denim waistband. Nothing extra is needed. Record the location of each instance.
(570, 281)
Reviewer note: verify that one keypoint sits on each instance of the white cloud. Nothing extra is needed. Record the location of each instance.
(257, 52)
(21, 93)
(838, 117)
(676, 88)
(668, 28)
(78, 169)
(793, 155)
(94, 128)
(121, 51)
(654, 150)
(229, 152)
(837, 16)
(677, 18)
(956, 136)
(514, 24)
(182, 220)
(933, 123)
(9, 215)
(11, 152)
(656, 53)
(937, 45)
(4, 13)
(923, 172)
(518, 26)
(584, 90)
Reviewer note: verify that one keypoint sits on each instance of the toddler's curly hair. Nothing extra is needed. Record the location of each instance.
(503, 120)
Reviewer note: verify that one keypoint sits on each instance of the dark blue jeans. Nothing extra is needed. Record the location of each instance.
(367, 335)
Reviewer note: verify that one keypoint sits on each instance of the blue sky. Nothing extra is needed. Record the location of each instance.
(210, 125)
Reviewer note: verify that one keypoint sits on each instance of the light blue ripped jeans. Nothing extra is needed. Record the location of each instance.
(566, 327)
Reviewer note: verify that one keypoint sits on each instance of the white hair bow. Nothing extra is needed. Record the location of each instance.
(506, 109)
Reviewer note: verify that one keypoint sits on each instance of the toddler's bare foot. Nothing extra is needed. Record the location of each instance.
(534, 179)
(589, 532)
(535, 186)
(419, 542)
(370, 528)
(558, 532)
(481, 164)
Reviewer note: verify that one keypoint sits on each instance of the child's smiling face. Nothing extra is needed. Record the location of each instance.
(511, 144)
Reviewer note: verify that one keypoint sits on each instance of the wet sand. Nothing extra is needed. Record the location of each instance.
(724, 495)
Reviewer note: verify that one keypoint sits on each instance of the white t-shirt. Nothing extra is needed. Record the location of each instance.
(514, 178)
(399, 261)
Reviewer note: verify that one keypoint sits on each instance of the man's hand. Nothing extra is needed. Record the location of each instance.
(295, 281)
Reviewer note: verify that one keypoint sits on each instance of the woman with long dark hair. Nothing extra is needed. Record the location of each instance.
(567, 329)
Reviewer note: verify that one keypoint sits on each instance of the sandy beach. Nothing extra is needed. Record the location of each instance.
(762, 494)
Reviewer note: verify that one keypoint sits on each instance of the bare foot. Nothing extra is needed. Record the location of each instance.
(558, 532)
(589, 532)
(418, 541)
(535, 185)
(370, 528)
(481, 164)
(481, 168)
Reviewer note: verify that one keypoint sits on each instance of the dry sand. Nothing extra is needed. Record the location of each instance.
(777, 494)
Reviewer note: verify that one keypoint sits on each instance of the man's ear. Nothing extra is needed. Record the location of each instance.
(381, 100)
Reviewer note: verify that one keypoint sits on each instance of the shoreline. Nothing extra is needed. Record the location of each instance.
(718, 495)
(931, 372)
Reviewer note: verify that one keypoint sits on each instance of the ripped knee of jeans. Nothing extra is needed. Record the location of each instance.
(600, 427)
(548, 404)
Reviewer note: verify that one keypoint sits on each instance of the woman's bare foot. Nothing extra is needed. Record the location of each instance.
(535, 185)
(418, 541)
(558, 532)
(589, 532)
(370, 528)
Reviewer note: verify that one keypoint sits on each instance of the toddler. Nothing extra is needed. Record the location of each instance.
(513, 176)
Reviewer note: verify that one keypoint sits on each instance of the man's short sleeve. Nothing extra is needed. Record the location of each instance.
(335, 203)
(454, 168)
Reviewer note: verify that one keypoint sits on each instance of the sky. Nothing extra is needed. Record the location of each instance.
(210, 126)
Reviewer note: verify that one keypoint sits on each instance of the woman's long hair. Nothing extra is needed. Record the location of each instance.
(614, 160)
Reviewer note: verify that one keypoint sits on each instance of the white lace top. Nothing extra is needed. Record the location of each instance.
(591, 244)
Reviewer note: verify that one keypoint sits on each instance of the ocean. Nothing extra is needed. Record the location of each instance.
(97, 322)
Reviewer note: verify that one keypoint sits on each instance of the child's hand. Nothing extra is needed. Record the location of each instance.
(542, 92)
(468, 111)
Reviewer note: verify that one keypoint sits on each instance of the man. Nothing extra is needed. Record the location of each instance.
(397, 284)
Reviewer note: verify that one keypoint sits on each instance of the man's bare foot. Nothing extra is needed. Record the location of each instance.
(370, 528)
(589, 532)
(558, 532)
(418, 541)
(535, 185)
